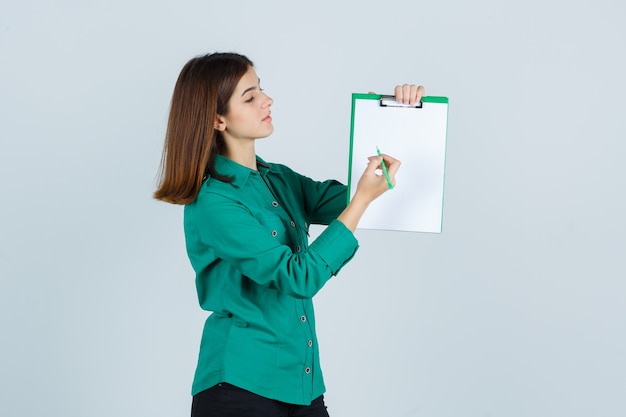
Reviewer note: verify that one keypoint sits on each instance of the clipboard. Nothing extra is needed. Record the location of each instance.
(416, 135)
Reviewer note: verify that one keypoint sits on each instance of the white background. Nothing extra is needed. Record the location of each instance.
(516, 309)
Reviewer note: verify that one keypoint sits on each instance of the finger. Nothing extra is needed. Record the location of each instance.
(392, 164)
(388, 159)
(421, 91)
(374, 163)
(406, 93)
(393, 168)
(413, 94)
(398, 93)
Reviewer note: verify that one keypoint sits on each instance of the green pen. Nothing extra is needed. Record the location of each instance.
(382, 163)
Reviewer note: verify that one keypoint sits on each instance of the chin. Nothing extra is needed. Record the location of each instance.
(267, 133)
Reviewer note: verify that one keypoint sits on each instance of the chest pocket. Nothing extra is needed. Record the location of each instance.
(275, 226)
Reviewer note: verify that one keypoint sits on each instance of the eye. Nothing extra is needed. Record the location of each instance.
(250, 99)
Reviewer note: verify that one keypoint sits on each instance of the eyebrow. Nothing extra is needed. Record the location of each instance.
(250, 89)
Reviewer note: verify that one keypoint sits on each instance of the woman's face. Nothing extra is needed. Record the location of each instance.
(249, 112)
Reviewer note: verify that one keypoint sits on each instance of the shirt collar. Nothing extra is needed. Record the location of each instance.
(239, 173)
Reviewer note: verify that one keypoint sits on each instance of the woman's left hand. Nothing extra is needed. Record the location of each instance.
(409, 93)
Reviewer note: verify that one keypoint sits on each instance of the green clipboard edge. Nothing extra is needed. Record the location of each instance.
(363, 96)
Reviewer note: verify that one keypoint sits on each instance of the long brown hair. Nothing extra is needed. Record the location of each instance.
(202, 91)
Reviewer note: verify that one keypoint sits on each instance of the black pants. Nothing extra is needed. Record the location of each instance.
(225, 400)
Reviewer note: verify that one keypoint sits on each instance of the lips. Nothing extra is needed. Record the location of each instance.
(268, 118)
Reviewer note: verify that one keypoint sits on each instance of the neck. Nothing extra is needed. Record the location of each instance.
(242, 153)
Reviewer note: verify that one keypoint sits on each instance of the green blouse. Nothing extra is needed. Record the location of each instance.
(248, 243)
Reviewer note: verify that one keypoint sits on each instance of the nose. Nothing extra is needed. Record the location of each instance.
(268, 101)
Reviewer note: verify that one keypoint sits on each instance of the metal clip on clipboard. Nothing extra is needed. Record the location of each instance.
(390, 101)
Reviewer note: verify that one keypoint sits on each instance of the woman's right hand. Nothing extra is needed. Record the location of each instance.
(371, 185)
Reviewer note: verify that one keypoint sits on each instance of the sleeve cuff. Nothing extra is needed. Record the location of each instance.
(336, 245)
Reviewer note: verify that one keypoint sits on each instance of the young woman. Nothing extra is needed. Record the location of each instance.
(246, 227)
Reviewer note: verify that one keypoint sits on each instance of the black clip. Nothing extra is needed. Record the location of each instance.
(390, 101)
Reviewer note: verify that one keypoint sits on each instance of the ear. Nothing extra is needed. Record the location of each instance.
(220, 123)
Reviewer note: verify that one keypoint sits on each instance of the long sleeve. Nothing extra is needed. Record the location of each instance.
(223, 228)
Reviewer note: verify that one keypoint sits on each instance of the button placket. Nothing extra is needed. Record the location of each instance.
(307, 341)
(275, 205)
